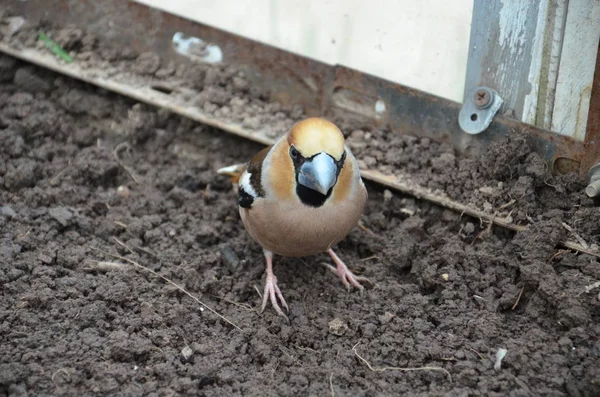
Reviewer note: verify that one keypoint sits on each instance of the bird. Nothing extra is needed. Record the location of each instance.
(299, 197)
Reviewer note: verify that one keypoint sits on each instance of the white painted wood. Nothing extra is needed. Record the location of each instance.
(422, 44)
(556, 23)
(576, 70)
(530, 103)
(506, 53)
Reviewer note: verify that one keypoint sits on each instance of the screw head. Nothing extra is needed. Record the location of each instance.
(482, 98)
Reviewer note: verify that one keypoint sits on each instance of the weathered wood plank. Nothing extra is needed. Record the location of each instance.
(539, 56)
(576, 71)
(505, 52)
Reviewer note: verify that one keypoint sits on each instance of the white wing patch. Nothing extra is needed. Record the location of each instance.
(246, 185)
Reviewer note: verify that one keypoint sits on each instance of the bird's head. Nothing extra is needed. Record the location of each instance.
(314, 148)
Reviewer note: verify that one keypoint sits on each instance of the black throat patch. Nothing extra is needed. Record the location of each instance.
(310, 197)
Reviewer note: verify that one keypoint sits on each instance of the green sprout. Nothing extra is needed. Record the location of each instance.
(55, 48)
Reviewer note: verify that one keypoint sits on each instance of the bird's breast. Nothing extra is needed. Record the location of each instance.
(294, 229)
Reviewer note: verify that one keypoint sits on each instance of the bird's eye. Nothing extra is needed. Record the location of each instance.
(294, 153)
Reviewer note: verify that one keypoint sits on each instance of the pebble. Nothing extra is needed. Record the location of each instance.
(7, 211)
(337, 327)
(61, 215)
(232, 261)
(187, 352)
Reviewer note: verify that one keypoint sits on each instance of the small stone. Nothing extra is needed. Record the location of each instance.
(7, 211)
(147, 63)
(445, 276)
(337, 327)
(490, 191)
(123, 191)
(45, 259)
(385, 317)
(61, 215)
(187, 352)
(469, 228)
(387, 196)
(232, 261)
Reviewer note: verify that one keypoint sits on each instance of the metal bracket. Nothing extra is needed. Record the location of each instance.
(478, 110)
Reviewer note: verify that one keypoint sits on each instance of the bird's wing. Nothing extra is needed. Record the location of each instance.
(246, 178)
(233, 171)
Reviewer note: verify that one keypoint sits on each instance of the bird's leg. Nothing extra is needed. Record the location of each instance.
(272, 291)
(348, 278)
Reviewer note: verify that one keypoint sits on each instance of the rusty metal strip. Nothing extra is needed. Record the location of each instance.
(591, 155)
(292, 79)
(413, 112)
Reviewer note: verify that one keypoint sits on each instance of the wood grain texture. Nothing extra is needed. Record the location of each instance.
(576, 71)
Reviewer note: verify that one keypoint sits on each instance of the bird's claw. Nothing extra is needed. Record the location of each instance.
(273, 294)
(348, 278)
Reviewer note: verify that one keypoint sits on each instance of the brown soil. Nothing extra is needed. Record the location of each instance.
(449, 293)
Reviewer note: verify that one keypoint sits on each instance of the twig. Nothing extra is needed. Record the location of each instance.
(145, 251)
(55, 178)
(121, 146)
(295, 360)
(134, 263)
(481, 357)
(102, 266)
(518, 298)
(61, 370)
(367, 230)
(557, 254)
(369, 258)
(579, 239)
(506, 205)
(122, 244)
(308, 349)
(242, 305)
(331, 385)
(579, 248)
(590, 287)
(403, 369)
(118, 223)
(484, 233)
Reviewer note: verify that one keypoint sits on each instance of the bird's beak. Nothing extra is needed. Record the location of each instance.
(319, 173)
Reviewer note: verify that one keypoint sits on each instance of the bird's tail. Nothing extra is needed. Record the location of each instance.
(233, 171)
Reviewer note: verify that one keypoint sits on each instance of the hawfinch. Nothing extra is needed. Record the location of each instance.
(299, 197)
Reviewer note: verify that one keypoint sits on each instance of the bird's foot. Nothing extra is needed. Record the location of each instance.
(348, 278)
(273, 294)
(272, 291)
